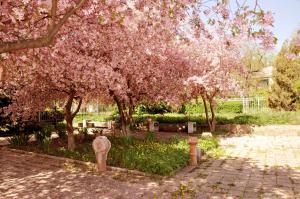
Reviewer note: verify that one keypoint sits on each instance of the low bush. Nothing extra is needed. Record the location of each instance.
(44, 133)
(208, 144)
(191, 108)
(46, 144)
(151, 157)
(230, 107)
(150, 136)
(61, 129)
(223, 107)
(21, 139)
(158, 108)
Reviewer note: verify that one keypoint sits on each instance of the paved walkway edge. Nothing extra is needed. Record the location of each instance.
(78, 162)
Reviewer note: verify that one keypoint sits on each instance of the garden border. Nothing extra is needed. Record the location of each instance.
(79, 162)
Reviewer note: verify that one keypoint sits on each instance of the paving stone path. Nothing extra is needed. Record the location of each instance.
(255, 167)
(29, 176)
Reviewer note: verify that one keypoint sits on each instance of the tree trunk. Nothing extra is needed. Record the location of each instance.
(125, 128)
(211, 122)
(206, 112)
(69, 116)
(71, 139)
(213, 119)
(125, 121)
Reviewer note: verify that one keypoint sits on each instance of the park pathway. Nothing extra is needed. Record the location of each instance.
(256, 166)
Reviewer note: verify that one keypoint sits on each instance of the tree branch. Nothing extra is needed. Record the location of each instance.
(78, 107)
(44, 40)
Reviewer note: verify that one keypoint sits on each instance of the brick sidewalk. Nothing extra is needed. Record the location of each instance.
(258, 167)
(27, 176)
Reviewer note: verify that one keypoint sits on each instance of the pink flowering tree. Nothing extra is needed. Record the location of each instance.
(26, 24)
(63, 74)
(111, 58)
(141, 65)
(216, 52)
(126, 51)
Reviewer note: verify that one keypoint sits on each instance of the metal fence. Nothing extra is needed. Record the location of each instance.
(96, 108)
(252, 104)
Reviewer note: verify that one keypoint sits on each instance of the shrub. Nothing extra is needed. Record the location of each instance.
(46, 144)
(150, 136)
(84, 132)
(192, 108)
(230, 107)
(126, 140)
(223, 107)
(174, 139)
(151, 157)
(44, 133)
(61, 130)
(21, 139)
(208, 144)
(158, 108)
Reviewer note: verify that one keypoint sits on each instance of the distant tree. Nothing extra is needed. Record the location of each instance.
(284, 95)
(255, 59)
(295, 50)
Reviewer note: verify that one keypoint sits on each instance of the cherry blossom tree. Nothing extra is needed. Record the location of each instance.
(216, 53)
(97, 56)
(141, 65)
(126, 51)
(65, 73)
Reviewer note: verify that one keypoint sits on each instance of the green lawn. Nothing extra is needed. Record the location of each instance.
(261, 118)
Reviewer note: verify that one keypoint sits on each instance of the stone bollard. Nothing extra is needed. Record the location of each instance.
(199, 154)
(192, 127)
(193, 150)
(101, 146)
(84, 123)
(153, 126)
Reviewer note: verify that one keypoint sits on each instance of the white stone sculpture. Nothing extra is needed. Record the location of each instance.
(101, 146)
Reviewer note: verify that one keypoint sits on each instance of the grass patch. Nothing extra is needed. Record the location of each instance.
(297, 168)
(149, 155)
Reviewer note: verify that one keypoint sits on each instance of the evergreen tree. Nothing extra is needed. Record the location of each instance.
(284, 95)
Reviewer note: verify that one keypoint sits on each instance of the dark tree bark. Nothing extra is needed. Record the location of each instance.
(124, 116)
(69, 116)
(211, 121)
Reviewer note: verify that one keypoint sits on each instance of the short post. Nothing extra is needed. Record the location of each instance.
(153, 126)
(193, 150)
(111, 125)
(199, 154)
(101, 146)
(84, 123)
(192, 127)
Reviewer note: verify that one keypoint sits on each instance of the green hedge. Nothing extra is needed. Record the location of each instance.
(223, 107)
(230, 107)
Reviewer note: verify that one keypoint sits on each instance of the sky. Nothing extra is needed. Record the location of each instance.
(287, 18)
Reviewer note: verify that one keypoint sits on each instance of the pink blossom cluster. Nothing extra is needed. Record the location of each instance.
(124, 51)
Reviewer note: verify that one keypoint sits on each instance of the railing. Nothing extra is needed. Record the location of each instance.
(50, 117)
(252, 104)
